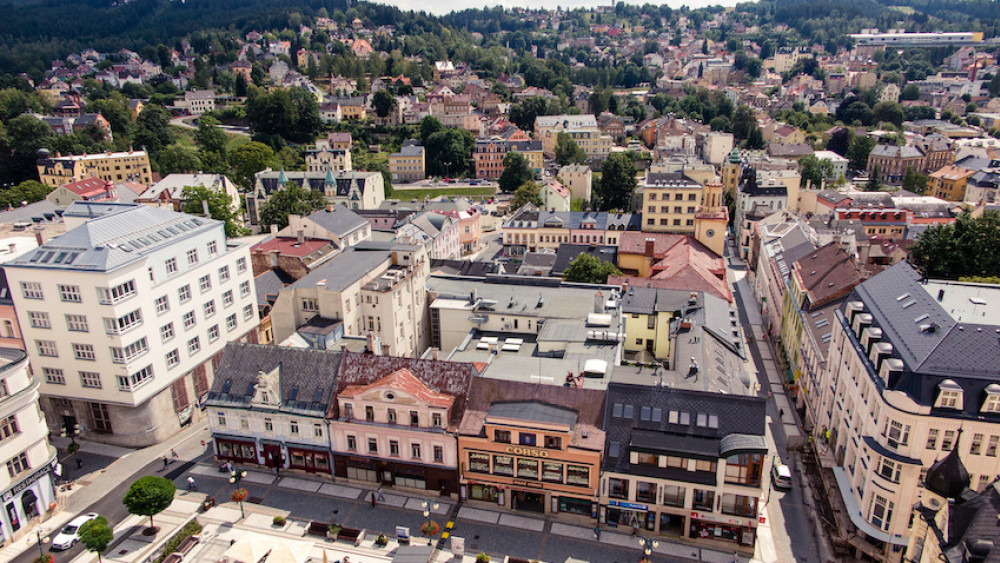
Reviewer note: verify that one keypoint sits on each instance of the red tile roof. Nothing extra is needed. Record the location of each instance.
(89, 187)
(404, 381)
(289, 246)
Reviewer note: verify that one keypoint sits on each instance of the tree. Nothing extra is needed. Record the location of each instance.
(617, 183)
(889, 112)
(428, 126)
(755, 140)
(179, 158)
(290, 199)
(523, 114)
(383, 102)
(249, 159)
(28, 191)
(910, 92)
(873, 184)
(210, 137)
(744, 120)
(220, 207)
(96, 535)
(813, 171)
(148, 496)
(240, 86)
(840, 141)
(152, 129)
(567, 151)
(528, 192)
(289, 113)
(858, 151)
(589, 269)
(449, 151)
(914, 181)
(968, 247)
(515, 172)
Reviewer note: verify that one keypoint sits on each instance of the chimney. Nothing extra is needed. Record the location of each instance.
(11, 247)
(204, 209)
(434, 354)
(385, 350)
(301, 236)
(599, 302)
(38, 238)
(473, 296)
(940, 295)
(274, 229)
(374, 344)
(650, 247)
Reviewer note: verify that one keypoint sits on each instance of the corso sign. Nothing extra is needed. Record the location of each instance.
(527, 451)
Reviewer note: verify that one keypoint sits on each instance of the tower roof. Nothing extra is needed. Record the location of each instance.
(948, 477)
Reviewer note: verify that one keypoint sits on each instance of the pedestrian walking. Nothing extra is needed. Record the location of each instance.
(173, 454)
(381, 497)
(191, 484)
(781, 413)
(597, 532)
(374, 501)
(165, 462)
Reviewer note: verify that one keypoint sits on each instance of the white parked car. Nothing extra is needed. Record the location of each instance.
(70, 534)
(782, 476)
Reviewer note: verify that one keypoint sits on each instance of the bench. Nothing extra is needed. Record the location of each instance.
(352, 535)
(188, 544)
(174, 558)
(318, 528)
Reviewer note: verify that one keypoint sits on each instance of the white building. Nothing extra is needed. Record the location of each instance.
(122, 315)
(913, 367)
(577, 178)
(839, 163)
(27, 490)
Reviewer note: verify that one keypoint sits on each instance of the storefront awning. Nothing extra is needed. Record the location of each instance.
(857, 518)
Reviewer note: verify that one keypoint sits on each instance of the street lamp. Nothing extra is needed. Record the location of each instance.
(235, 476)
(647, 546)
(72, 433)
(427, 506)
(41, 540)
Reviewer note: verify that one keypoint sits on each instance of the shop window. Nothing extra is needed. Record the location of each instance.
(704, 500)
(739, 505)
(744, 469)
(617, 488)
(645, 492)
(577, 475)
(527, 469)
(503, 465)
(552, 472)
(673, 495)
(479, 463)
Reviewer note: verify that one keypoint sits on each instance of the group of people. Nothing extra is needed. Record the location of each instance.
(168, 460)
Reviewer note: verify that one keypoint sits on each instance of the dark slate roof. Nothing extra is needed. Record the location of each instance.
(450, 378)
(974, 519)
(340, 221)
(638, 417)
(567, 252)
(948, 476)
(268, 284)
(533, 411)
(465, 267)
(308, 377)
(930, 357)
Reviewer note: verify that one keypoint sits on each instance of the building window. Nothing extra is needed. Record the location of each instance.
(135, 380)
(898, 433)
(704, 500)
(317, 430)
(739, 505)
(889, 469)
(501, 436)
(415, 451)
(352, 444)
(932, 438)
(167, 332)
(977, 444)
(194, 346)
(171, 266)
(124, 323)
(90, 379)
(173, 358)
(394, 448)
(372, 446)
(205, 283)
(479, 463)
(241, 265)
(370, 413)
(673, 495)
(70, 293)
(310, 305)
(192, 256)
(554, 442)
(189, 320)
(647, 459)
(438, 454)
(209, 308)
(31, 290)
(881, 512)
(227, 298)
(247, 312)
(503, 465)
(184, 293)
(39, 319)
(221, 418)
(744, 469)
(54, 376)
(949, 395)
(948, 441)
(224, 274)
(414, 418)
(645, 492)
(213, 248)
(268, 425)
(991, 446)
(526, 439)
(47, 348)
(618, 488)
(18, 464)
(162, 304)
(231, 322)
(244, 289)
(992, 403)
(213, 333)
(293, 427)
(527, 468)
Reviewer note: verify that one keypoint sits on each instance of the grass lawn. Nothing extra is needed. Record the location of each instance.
(431, 193)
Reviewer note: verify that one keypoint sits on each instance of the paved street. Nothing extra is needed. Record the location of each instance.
(793, 518)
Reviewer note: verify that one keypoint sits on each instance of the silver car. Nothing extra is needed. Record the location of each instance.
(70, 534)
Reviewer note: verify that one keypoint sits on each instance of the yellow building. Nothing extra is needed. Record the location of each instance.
(949, 182)
(712, 218)
(407, 165)
(646, 326)
(582, 129)
(117, 167)
(731, 169)
(669, 203)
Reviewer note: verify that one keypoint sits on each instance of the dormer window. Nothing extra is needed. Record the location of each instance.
(949, 395)
(348, 411)
(992, 402)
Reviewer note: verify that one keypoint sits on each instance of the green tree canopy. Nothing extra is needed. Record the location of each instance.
(96, 535)
(567, 151)
(873, 184)
(967, 248)
(449, 151)
(858, 151)
(813, 171)
(383, 102)
(523, 114)
(220, 207)
(528, 192)
(515, 172)
(914, 181)
(289, 113)
(177, 157)
(28, 191)
(290, 199)
(589, 269)
(249, 159)
(148, 496)
(617, 183)
(152, 129)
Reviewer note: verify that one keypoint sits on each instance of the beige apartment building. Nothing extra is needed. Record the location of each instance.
(408, 164)
(582, 129)
(117, 167)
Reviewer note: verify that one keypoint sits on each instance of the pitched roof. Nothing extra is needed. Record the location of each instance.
(827, 273)
(343, 270)
(339, 220)
(403, 380)
(89, 187)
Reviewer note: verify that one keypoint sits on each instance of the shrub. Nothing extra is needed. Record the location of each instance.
(278, 520)
(192, 528)
(482, 558)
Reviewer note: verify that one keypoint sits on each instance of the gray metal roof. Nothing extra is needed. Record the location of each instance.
(340, 221)
(339, 272)
(115, 239)
(533, 411)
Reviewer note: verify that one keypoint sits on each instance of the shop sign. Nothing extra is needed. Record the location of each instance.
(533, 452)
(16, 489)
(718, 519)
(628, 505)
(531, 484)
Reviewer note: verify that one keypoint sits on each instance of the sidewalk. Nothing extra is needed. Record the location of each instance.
(127, 463)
